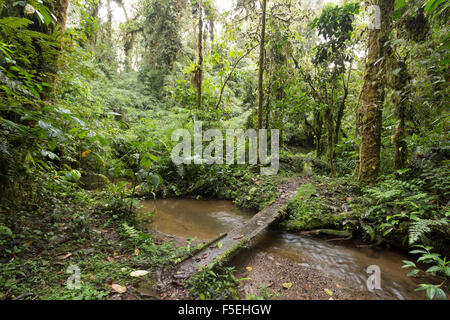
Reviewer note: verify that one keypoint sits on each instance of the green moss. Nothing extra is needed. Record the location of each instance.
(305, 191)
(201, 247)
(308, 213)
(227, 255)
(310, 222)
(292, 162)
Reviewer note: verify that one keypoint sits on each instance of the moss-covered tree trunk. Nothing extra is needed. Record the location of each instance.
(59, 10)
(108, 20)
(372, 97)
(318, 124)
(50, 64)
(330, 131)
(129, 38)
(91, 31)
(127, 48)
(261, 65)
(340, 113)
(400, 85)
(200, 56)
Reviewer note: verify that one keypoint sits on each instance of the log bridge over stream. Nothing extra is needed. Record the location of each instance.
(228, 244)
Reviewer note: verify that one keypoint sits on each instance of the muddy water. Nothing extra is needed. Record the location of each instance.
(200, 219)
(206, 219)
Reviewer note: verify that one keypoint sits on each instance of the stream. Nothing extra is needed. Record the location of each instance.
(345, 260)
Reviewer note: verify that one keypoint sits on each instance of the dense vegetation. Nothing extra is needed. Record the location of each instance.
(88, 107)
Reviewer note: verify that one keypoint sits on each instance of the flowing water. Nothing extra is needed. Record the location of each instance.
(346, 260)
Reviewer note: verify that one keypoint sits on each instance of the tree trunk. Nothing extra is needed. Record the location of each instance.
(261, 66)
(318, 123)
(128, 47)
(91, 33)
(50, 64)
(200, 56)
(109, 20)
(268, 111)
(330, 130)
(128, 38)
(309, 132)
(59, 9)
(341, 110)
(339, 117)
(401, 82)
(373, 95)
(211, 29)
(267, 106)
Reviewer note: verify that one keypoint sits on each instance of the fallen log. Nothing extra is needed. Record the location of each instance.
(330, 232)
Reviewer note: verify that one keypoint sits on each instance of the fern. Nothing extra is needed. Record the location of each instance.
(369, 230)
(131, 232)
(391, 190)
(136, 236)
(418, 229)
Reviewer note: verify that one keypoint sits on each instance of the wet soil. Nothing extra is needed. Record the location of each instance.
(271, 272)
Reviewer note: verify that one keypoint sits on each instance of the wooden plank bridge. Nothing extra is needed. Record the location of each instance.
(224, 247)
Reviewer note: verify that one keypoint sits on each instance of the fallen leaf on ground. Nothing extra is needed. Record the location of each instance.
(238, 237)
(329, 292)
(85, 153)
(249, 268)
(136, 251)
(287, 285)
(64, 257)
(138, 273)
(118, 288)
